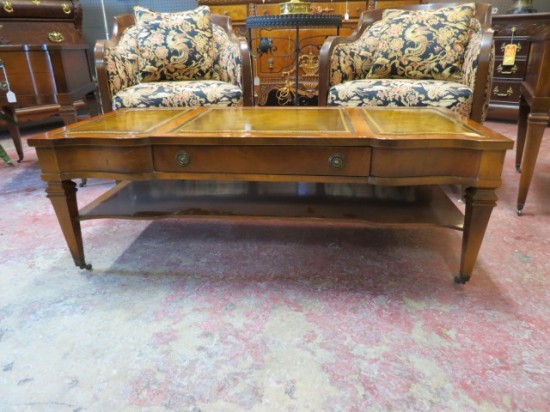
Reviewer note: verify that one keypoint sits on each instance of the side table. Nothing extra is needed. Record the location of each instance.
(534, 113)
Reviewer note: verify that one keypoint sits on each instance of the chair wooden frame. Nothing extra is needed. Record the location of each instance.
(483, 75)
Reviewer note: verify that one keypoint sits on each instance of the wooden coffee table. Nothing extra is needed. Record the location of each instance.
(375, 166)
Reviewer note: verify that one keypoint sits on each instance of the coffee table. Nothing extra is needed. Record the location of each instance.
(370, 165)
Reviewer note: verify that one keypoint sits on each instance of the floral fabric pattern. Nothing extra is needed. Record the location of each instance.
(354, 60)
(174, 46)
(423, 44)
(227, 65)
(121, 61)
(179, 94)
(403, 92)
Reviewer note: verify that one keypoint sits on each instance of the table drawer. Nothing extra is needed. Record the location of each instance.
(276, 160)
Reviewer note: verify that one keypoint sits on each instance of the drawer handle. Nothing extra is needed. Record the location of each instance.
(337, 160)
(66, 9)
(502, 70)
(56, 37)
(508, 92)
(183, 158)
(503, 45)
(36, 2)
(8, 7)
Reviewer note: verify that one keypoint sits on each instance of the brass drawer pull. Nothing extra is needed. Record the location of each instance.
(508, 92)
(36, 2)
(66, 9)
(183, 158)
(337, 160)
(56, 37)
(502, 70)
(8, 7)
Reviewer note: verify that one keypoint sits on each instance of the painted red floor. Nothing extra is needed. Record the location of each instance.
(233, 315)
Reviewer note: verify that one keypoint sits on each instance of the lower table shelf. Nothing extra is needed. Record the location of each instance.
(411, 205)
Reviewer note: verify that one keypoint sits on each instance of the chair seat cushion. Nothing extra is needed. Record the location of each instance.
(179, 94)
(402, 92)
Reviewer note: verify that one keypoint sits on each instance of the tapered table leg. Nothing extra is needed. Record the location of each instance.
(479, 205)
(62, 194)
(536, 123)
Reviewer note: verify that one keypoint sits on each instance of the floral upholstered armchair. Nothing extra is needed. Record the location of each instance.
(437, 54)
(183, 59)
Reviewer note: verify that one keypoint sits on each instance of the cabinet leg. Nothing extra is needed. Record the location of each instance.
(524, 110)
(536, 123)
(14, 131)
(62, 194)
(479, 205)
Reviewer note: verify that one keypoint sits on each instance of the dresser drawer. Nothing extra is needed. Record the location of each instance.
(237, 12)
(516, 71)
(521, 51)
(505, 91)
(43, 9)
(46, 32)
(276, 160)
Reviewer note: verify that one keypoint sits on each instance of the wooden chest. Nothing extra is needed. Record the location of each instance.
(44, 61)
(40, 22)
(512, 29)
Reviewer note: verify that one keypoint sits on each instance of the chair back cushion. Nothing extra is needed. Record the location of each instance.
(174, 46)
(423, 44)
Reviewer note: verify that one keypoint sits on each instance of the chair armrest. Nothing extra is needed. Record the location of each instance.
(232, 62)
(343, 43)
(482, 79)
(106, 100)
(115, 62)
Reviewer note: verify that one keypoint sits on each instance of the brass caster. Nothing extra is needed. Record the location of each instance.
(461, 280)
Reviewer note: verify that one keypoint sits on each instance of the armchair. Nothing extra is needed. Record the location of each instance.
(437, 54)
(147, 64)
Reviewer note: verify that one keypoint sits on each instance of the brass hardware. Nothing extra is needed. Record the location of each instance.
(183, 158)
(337, 160)
(508, 92)
(295, 7)
(8, 7)
(512, 70)
(309, 64)
(66, 8)
(503, 45)
(36, 2)
(3, 86)
(56, 37)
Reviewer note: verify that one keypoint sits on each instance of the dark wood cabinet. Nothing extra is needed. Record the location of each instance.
(45, 61)
(517, 29)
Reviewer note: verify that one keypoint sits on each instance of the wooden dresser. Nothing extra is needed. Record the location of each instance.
(45, 60)
(519, 29)
(273, 49)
